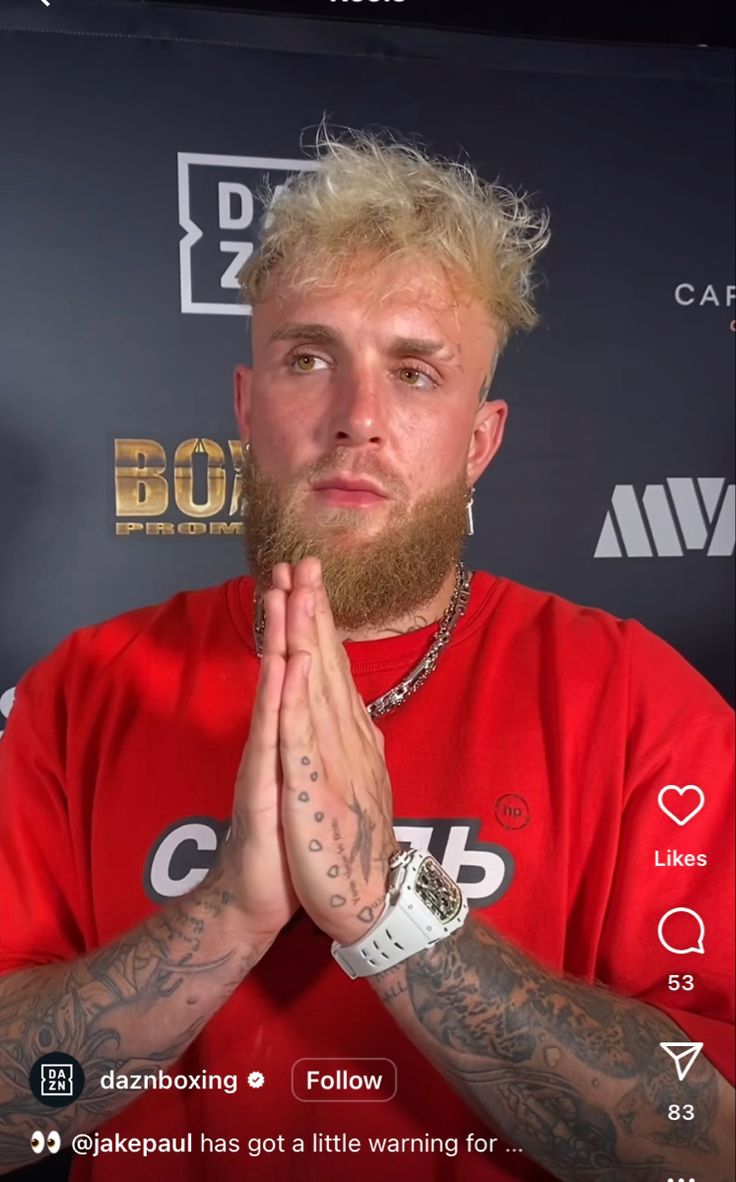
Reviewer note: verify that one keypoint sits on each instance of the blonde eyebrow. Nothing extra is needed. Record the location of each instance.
(324, 334)
(318, 334)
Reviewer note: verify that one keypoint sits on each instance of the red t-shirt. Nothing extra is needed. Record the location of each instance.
(530, 763)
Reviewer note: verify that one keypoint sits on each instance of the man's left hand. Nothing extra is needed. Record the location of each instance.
(337, 808)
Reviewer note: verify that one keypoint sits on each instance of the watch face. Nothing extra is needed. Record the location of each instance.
(437, 890)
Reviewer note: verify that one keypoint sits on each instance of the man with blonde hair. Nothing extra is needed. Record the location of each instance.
(445, 782)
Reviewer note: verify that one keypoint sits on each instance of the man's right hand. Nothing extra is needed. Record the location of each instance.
(253, 857)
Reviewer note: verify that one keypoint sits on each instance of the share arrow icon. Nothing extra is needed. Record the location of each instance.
(683, 1055)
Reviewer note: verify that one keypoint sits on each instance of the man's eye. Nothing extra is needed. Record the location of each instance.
(418, 373)
(308, 357)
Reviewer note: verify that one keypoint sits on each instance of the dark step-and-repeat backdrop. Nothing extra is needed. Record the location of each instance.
(134, 139)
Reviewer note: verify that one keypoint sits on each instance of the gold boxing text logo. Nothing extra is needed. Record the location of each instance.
(204, 484)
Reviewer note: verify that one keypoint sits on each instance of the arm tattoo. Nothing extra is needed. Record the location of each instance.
(111, 1011)
(564, 1069)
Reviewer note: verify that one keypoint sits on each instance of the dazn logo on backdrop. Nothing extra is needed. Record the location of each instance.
(219, 207)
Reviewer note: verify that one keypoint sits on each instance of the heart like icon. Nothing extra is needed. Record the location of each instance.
(680, 820)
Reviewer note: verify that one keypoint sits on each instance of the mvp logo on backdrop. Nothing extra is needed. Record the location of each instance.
(219, 206)
(670, 520)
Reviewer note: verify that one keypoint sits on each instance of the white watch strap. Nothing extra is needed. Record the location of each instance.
(406, 926)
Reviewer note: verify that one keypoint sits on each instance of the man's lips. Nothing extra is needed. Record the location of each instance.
(346, 484)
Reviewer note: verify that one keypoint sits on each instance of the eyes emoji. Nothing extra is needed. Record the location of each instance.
(52, 1142)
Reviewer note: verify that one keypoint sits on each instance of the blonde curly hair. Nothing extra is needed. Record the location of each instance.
(384, 199)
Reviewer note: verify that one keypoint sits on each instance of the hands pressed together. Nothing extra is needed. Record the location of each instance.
(313, 813)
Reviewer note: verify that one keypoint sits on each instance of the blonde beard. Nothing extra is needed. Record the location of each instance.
(370, 583)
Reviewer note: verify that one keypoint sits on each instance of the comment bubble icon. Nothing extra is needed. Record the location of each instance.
(681, 936)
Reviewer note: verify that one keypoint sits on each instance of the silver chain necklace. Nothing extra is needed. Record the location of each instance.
(420, 672)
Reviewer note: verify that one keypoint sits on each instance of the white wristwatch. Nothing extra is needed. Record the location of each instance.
(423, 905)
